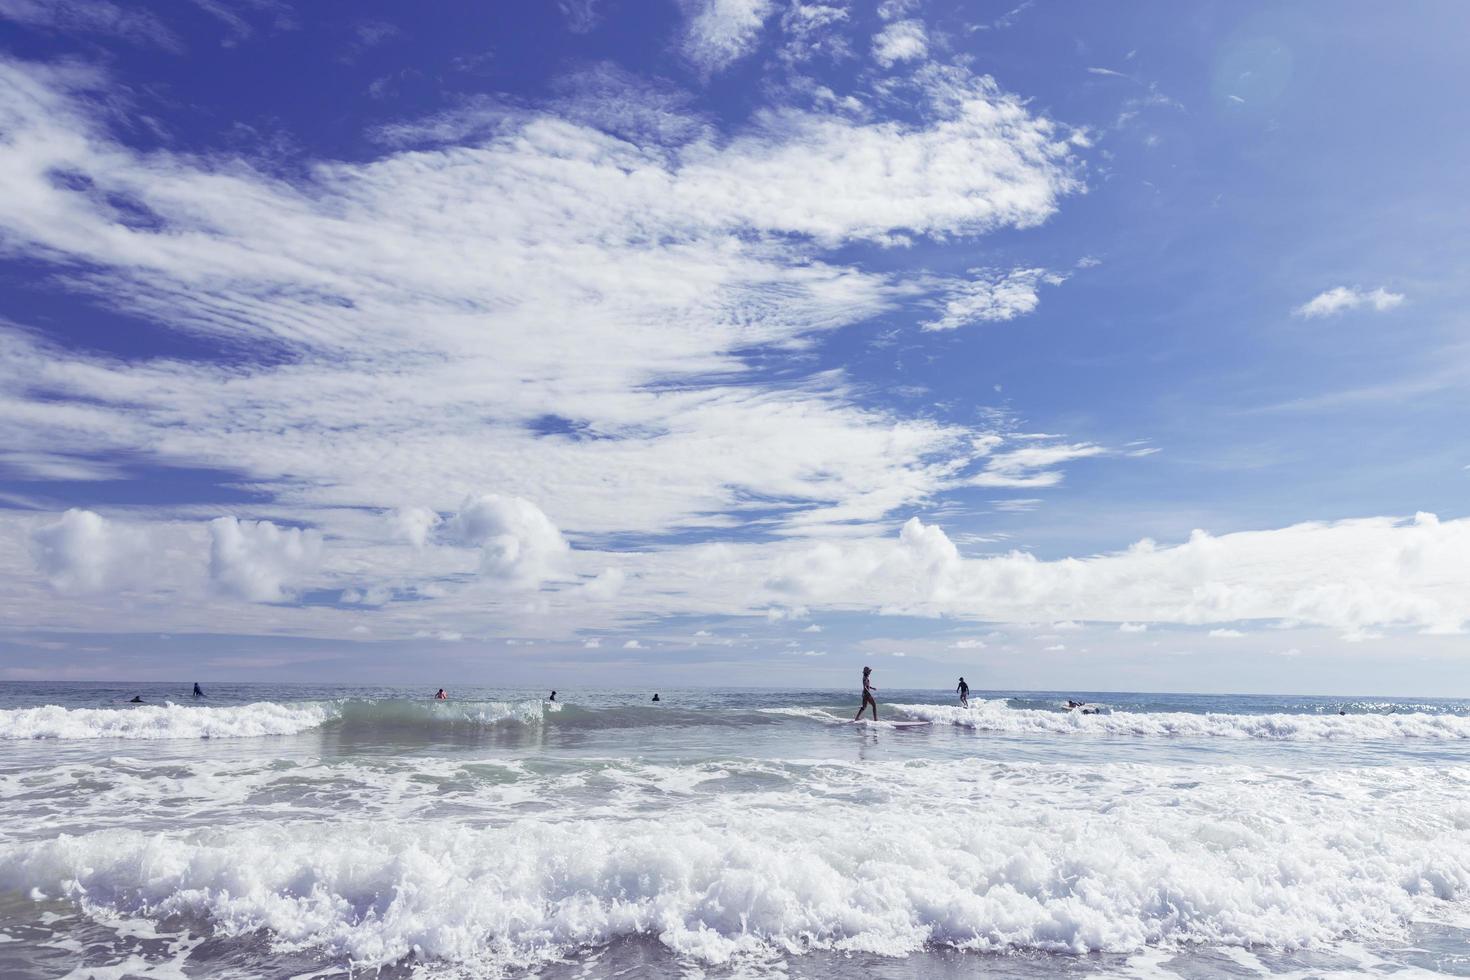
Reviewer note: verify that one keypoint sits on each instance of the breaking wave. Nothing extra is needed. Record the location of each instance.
(996, 716)
(262, 718)
(991, 858)
(165, 721)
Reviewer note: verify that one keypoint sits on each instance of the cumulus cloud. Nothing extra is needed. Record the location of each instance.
(632, 645)
(991, 297)
(720, 32)
(518, 543)
(903, 40)
(1348, 575)
(413, 524)
(606, 586)
(1133, 627)
(1341, 299)
(259, 561)
(83, 552)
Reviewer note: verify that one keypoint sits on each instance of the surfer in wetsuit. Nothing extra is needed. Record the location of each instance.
(553, 696)
(136, 700)
(868, 690)
(198, 691)
(964, 692)
(441, 696)
(655, 697)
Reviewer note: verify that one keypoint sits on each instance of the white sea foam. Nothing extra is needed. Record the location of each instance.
(170, 720)
(166, 721)
(873, 857)
(996, 716)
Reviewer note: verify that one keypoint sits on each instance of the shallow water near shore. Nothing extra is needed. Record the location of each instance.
(309, 831)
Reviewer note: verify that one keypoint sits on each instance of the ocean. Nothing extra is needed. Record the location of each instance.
(298, 831)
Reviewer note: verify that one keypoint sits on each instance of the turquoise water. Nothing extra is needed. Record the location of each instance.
(317, 831)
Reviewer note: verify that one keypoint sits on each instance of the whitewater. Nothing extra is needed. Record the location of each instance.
(314, 832)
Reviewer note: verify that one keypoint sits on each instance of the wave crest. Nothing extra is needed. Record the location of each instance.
(996, 716)
(154, 721)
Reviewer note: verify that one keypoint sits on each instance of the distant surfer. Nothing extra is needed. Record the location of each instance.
(553, 696)
(868, 690)
(198, 691)
(136, 700)
(1074, 704)
(441, 696)
(964, 692)
(655, 697)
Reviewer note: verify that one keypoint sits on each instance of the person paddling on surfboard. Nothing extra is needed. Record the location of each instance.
(868, 690)
(964, 692)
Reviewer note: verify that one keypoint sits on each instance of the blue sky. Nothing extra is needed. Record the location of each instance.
(1074, 345)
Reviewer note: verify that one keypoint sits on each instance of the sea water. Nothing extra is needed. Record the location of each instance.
(281, 831)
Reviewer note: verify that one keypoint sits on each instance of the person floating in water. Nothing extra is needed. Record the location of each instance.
(198, 691)
(553, 696)
(655, 697)
(137, 699)
(868, 690)
(441, 696)
(964, 692)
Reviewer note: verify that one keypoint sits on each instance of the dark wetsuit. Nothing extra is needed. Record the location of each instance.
(964, 690)
(868, 698)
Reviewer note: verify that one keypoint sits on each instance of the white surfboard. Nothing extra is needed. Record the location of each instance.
(893, 724)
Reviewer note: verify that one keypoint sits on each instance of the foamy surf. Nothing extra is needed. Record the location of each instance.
(165, 721)
(176, 721)
(997, 716)
(888, 859)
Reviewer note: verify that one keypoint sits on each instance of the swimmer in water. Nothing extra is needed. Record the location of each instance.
(964, 692)
(198, 691)
(655, 697)
(553, 696)
(137, 700)
(441, 696)
(868, 690)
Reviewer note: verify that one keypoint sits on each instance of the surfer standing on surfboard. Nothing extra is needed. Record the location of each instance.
(868, 690)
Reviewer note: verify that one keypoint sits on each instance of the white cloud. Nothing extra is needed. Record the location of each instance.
(83, 552)
(1341, 299)
(1033, 465)
(720, 32)
(587, 360)
(259, 561)
(632, 645)
(1349, 575)
(1016, 505)
(1133, 627)
(813, 628)
(414, 524)
(702, 633)
(1222, 633)
(968, 644)
(992, 297)
(903, 40)
(606, 586)
(688, 261)
(592, 644)
(517, 542)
